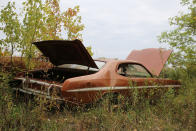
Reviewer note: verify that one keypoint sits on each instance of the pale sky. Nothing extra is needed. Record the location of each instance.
(115, 27)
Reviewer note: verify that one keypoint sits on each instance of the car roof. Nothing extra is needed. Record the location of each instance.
(116, 60)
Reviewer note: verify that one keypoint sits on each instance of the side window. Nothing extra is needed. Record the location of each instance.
(132, 70)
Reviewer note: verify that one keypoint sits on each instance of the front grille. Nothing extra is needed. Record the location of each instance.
(40, 87)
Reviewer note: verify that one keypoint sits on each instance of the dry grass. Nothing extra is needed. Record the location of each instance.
(20, 63)
(169, 113)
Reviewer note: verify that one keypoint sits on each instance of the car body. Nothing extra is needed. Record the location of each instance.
(78, 79)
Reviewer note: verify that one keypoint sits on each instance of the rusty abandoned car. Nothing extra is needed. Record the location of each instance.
(77, 78)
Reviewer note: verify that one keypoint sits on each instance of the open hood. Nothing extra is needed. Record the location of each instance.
(153, 59)
(66, 52)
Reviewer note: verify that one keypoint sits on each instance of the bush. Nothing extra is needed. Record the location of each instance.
(168, 113)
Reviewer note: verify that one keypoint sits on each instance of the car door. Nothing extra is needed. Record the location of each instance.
(134, 76)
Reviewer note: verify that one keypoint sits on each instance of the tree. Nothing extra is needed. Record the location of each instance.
(31, 27)
(11, 28)
(73, 26)
(183, 37)
(39, 20)
(72, 23)
(52, 20)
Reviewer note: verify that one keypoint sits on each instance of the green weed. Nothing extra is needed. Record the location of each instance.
(170, 112)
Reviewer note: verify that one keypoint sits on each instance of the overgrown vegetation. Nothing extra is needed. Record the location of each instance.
(182, 38)
(170, 112)
(37, 20)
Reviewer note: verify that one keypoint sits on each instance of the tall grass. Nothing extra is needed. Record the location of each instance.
(168, 113)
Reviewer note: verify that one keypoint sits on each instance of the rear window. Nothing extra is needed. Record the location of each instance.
(132, 70)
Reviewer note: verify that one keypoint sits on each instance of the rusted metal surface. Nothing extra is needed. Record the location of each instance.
(66, 52)
(91, 87)
(40, 87)
(153, 59)
(84, 89)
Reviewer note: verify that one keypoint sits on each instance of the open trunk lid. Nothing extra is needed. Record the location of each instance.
(153, 59)
(66, 52)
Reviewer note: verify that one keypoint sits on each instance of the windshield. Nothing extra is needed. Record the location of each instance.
(99, 64)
